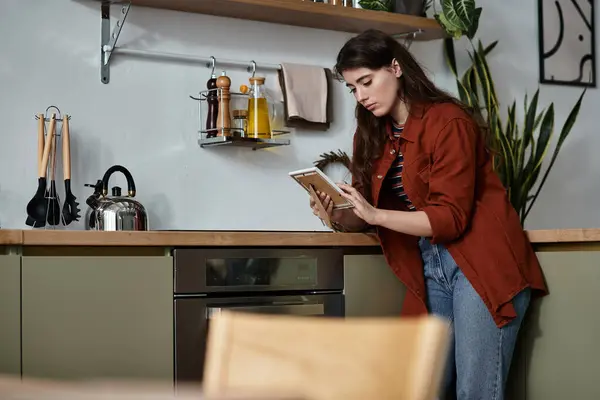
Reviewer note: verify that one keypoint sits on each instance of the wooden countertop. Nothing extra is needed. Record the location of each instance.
(196, 238)
(239, 238)
(9, 237)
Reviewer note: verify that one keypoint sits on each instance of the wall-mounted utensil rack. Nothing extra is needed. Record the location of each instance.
(306, 14)
(297, 13)
(46, 208)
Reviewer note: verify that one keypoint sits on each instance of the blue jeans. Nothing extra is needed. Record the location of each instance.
(480, 352)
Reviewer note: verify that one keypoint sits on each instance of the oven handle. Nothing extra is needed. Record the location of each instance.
(289, 309)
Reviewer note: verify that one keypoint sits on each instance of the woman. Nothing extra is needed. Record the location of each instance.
(422, 176)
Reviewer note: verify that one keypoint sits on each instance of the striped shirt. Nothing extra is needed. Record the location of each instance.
(393, 180)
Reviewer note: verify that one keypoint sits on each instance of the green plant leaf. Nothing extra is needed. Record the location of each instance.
(570, 121)
(533, 167)
(449, 27)
(470, 83)
(469, 78)
(486, 68)
(465, 9)
(469, 70)
(472, 30)
(377, 5)
(511, 123)
(566, 129)
(464, 94)
(538, 119)
(485, 82)
(505, 162)
(450, 55)
(487, 50)
(490, 47)
(528, 131)
(459, 12)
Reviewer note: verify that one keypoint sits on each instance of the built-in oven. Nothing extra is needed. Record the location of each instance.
(304, 282)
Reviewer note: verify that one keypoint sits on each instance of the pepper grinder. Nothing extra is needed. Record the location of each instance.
(224, 118)
(213, 106)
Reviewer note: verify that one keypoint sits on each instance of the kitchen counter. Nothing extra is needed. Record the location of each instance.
(62, 287)
(240, 238)
(10, 237)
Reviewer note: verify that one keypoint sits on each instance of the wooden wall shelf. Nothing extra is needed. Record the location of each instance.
(306, 14)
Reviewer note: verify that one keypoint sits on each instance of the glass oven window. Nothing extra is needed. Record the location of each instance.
(290, 271)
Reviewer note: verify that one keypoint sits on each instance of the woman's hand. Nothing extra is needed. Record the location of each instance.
(362, 208)
(334, 215)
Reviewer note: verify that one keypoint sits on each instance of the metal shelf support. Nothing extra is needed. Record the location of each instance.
(109, 39)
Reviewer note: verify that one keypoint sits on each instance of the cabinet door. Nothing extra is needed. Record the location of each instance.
(98, 317)
(370, 287)
(558, 356)
(10, 315)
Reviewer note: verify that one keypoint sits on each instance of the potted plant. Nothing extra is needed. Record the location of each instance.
(520, 148)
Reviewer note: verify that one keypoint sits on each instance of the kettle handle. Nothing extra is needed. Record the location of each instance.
(119, 168)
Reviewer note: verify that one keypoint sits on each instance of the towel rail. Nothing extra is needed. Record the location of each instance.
(209, 62)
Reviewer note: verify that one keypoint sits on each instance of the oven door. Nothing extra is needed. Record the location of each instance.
(257, 270)
(192, 315)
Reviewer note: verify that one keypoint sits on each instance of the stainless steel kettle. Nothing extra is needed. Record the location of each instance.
(116, 212)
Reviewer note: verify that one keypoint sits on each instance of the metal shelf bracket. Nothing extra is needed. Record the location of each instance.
(108, 38)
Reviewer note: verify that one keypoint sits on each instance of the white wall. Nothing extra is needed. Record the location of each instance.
(145, 121)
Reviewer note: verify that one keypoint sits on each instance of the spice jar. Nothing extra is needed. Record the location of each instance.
(239, 122)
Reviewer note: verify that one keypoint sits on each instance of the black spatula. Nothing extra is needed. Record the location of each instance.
(37, 207)
(70, 210)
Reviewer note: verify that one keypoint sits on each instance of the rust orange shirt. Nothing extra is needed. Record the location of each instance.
(448, 174)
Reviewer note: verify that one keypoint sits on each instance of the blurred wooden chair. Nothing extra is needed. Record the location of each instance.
(326, 358)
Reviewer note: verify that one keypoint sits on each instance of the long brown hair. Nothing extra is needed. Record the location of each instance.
(374, 50)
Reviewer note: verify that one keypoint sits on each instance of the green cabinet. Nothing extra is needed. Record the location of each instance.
(371, 289)
(558, 356)
(10, 315)
(97, 317)
(102, 317)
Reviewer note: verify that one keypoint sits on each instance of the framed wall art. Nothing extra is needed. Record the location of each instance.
(567, 53)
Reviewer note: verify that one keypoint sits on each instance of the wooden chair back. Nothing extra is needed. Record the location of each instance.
(326, 358)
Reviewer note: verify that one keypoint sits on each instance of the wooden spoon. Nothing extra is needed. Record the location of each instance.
(40, 148)
(37, 206)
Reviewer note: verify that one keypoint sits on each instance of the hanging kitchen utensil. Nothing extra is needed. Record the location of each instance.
(37, 207)
(40, 153)
(116, 212)
(212, 100)
(53, 200)
(224, 114)
(70, 210)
